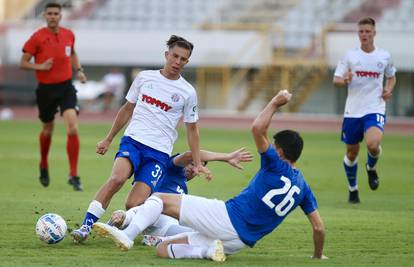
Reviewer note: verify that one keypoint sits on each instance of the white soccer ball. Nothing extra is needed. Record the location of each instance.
(51, 228)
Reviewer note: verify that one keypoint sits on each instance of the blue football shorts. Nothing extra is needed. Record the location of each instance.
(149, 164)
(353, 129)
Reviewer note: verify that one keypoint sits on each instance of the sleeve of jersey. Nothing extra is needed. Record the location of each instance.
(191, 109)
(134, 90)
(342, 66)
(270, 159)
(309, 203)
(390, 69)
(30, 46)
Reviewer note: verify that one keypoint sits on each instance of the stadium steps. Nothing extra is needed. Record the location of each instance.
(306, 82)
(259, 83)
(301, 77)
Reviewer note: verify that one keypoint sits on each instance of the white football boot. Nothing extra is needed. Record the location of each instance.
(111, 232)
(216, 251)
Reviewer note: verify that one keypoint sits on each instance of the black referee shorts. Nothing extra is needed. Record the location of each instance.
(51, 97)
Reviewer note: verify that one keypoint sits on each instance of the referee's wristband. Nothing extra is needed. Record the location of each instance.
(79, 70)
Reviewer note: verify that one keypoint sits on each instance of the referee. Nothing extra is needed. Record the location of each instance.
(54, 56)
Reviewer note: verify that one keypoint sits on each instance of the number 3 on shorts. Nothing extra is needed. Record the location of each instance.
(282, 209)
(157, 173)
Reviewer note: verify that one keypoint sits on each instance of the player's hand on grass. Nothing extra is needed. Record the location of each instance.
(282, 97)
(102, 146)
(238, 156)
(46, 65)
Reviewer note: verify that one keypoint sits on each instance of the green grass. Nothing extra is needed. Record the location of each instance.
(378, 232)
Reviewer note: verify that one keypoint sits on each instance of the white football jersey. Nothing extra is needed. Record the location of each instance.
(160, 104)
(366, 87)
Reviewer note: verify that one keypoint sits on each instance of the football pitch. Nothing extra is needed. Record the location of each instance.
(377, 232)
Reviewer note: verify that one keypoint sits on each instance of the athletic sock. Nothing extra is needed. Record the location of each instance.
(72, 149)
(129, 214)
(372, 160)
(351, 168)
(180, 251)
(95, 211)
(146, 214)
(44, 141)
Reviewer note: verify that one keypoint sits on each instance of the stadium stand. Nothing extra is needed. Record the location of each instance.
(296, 29)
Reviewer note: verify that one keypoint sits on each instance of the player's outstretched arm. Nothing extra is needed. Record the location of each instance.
(123, 116)
(233, 158)
(262, 121)
(318, 234)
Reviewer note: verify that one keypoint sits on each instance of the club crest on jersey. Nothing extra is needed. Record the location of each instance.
(380, 65)
(155, 102)
(175, 97)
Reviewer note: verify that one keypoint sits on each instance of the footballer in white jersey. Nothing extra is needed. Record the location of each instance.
(156, 101)
(159, 105)
(362, 70)
(365, 89)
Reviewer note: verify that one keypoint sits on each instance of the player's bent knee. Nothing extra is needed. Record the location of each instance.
(162, 251)
(116, 182)
(73, 130)
(373, 146)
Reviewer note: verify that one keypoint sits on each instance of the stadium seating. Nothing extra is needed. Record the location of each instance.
(151, 15)
(398, 18)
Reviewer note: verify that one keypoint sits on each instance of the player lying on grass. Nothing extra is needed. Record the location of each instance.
(227, 227)
(179, 171)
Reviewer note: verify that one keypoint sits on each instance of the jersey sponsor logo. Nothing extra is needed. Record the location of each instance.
(370, 74)
(155, 102)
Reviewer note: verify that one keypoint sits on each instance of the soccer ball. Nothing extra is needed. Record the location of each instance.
(51, 228)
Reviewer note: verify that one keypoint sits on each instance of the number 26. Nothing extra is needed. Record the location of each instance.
(286, 204)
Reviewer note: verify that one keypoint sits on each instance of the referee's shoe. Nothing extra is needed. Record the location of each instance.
(44, 177)
(75, 182)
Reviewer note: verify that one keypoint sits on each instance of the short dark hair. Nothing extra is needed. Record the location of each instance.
(367, 20)
(48, 5)
(180, 42)
(290, 142)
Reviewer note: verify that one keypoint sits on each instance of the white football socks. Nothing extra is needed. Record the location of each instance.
(350, 163)
(96, 209)
(186, 251)
(146, 214)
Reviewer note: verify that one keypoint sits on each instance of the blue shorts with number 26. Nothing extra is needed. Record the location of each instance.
(149, 164)
(353, 129)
